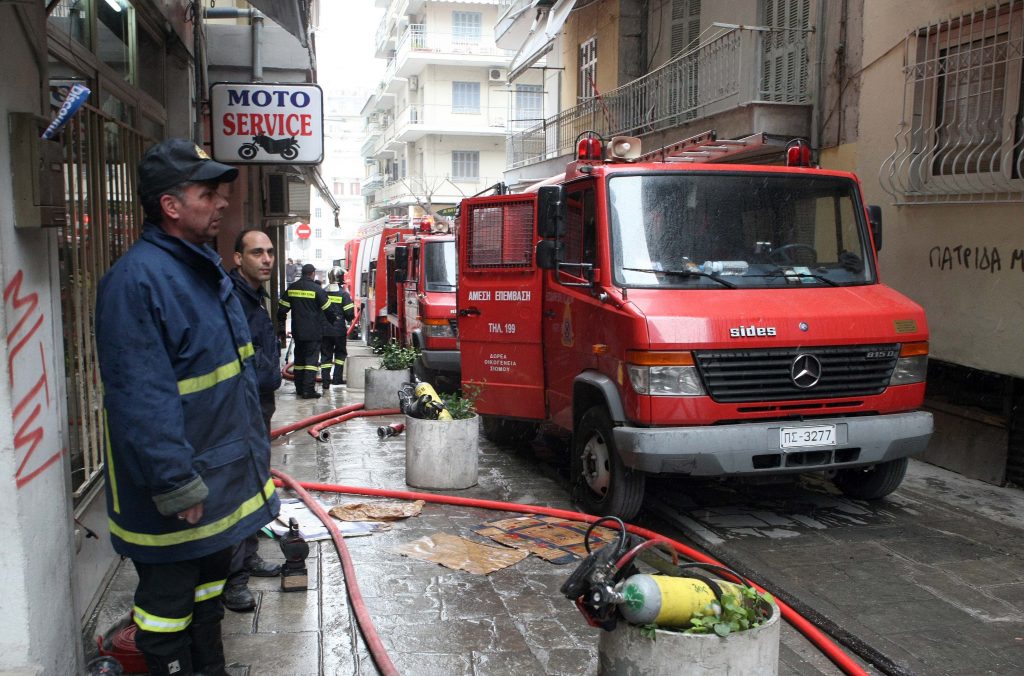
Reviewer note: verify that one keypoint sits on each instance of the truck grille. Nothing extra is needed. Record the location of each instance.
(765, 375)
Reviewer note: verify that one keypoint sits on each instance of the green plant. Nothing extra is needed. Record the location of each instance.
(734, 614)
(462, 404)
(394, 357)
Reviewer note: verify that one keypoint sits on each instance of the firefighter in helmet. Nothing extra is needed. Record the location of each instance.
(333, 349)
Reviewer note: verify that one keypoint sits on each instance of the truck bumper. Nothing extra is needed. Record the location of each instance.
(754, 447)
(442, 360)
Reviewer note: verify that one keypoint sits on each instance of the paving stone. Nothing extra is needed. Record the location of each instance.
(292, 653)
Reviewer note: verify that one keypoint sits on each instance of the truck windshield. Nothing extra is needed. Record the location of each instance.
(751, 230)
(441, 263)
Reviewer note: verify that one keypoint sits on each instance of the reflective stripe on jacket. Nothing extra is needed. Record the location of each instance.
(343, 305)
(308, 303)
(183, 421)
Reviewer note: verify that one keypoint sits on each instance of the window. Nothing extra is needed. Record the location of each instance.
(116, 28)
(318, 212)
(339, 188)
(354, 189)
(466, 97)
(466, 28)
(587, 85)
(465, 165)
(318, 253)
(318, 233)
(962, 139)
(529, 105)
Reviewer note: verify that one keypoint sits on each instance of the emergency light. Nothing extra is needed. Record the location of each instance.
(798, 153)
(589, 147)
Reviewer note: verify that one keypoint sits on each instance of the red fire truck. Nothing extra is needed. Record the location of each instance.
(369, 282)
(682, 314)
(421, 279)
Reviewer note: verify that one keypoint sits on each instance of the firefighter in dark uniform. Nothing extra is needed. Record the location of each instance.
(333, 349)
(310, 304)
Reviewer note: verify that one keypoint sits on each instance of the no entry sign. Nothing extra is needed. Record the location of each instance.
(267, 124)
(303, 231)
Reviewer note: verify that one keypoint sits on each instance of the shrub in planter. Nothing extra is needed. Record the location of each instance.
(383, 383)
(394, 357)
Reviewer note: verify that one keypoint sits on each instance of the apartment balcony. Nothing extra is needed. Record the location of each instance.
(737, 82)
(372, 182)
(371, 134)
(419, 47)
(435, 189)
(416, 121)
(378, 144)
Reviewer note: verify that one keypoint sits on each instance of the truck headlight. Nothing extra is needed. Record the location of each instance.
(437, 328)
(912, 366)
(663, 374)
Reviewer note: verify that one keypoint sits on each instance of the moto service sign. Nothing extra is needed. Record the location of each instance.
(267, 123)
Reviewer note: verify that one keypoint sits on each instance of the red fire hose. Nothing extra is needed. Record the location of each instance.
(825, 644)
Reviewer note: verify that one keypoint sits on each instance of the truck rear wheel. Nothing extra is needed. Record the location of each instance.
(601, 482)
(873, 482)
(505, 431)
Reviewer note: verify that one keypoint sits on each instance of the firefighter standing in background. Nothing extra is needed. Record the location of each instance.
(310, 305)
(333, 350)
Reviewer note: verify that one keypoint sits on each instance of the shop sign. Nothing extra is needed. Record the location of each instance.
(267, 123)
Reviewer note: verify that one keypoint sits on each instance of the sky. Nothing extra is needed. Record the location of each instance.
(345, 44)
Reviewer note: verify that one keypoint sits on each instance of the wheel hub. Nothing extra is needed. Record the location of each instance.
(596, 465)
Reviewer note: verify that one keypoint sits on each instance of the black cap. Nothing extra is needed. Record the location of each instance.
(176, 161)
(308, 269)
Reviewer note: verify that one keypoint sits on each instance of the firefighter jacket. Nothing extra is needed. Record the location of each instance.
(183, 421)
(309, 303)
(343, 305)
(267, 349)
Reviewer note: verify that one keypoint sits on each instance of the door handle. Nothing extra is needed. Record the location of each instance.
(550, 313)
(469, 312)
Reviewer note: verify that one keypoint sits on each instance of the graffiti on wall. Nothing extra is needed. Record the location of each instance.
(26, 358)
(985, 258)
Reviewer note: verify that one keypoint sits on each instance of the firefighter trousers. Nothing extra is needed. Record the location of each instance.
(333, 351)
(178, 609)
(307, 365)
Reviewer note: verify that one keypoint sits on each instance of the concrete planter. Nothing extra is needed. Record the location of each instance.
(442, 454)
(355, 366)
(626, 652)
(382, 387)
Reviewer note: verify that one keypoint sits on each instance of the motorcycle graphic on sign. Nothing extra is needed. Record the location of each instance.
(287, 148)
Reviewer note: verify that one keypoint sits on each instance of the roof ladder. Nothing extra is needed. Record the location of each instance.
(706, 147)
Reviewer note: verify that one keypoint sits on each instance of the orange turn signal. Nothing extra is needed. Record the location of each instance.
(435, 322)
(645, 358)
(914, 349)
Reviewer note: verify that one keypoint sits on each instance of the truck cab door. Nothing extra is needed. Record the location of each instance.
(499, 305)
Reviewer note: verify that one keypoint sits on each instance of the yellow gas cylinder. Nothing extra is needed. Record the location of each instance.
(428, 389)
(667, 601)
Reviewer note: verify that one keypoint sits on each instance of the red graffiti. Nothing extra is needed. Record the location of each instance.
(29, 432)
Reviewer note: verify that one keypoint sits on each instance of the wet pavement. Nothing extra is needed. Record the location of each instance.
(930, 581)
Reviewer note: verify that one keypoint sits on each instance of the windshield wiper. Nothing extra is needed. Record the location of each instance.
(789, 274)
(685, 273)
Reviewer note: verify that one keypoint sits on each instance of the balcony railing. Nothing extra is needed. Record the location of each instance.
(436, 189)
(432, 116)
(418, 39)
(738, 67)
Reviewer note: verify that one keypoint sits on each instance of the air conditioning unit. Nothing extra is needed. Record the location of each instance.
(414, 83)
(496, 74)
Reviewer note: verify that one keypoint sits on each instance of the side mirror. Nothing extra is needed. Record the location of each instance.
(875, 220)
(548, 254)
(551, 211)
(401, 263)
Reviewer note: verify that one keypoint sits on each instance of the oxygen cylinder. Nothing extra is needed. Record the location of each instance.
(428, 389)
(668, 601)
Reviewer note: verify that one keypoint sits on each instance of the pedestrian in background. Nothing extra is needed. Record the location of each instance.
(291, 271)
(187, 458)
(254, 263)
(310, 304)
(333, 349)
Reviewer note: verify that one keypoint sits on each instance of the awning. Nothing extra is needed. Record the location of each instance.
(312, 174)
(291, 15)
(541, 39)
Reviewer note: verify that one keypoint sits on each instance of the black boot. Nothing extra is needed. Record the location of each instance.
(207, 650)
(179, 663)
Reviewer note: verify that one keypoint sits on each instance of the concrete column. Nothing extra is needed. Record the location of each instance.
(39, 631)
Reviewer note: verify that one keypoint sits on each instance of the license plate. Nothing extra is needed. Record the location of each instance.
(796, 437)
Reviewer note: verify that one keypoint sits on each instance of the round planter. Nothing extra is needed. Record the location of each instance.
(382, 387)
(355, 366)
(626, 652)
(442, 454)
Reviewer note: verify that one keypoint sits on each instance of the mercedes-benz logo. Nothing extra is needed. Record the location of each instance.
(805, 371)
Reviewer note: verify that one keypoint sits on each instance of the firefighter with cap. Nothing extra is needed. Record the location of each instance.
(333, 349)
(309, 305)
(187, 455)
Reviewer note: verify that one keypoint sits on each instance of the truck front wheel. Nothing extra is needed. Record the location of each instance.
(601, 482)
(873, 482)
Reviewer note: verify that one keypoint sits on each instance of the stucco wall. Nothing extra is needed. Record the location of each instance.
(38, 625)
(600, 19)
(974, 307)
